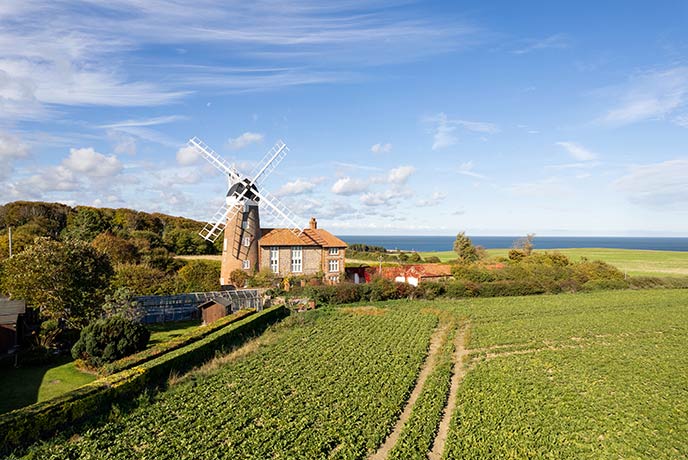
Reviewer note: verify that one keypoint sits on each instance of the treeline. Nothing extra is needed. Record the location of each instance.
(130, 235)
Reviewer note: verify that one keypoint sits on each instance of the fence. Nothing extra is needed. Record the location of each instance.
(160, 309)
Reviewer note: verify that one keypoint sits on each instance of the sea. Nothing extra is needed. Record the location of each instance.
(444, 243)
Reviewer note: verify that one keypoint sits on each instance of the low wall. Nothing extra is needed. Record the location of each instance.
(27, 425)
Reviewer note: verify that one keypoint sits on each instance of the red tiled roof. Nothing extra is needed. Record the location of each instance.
(309, 237)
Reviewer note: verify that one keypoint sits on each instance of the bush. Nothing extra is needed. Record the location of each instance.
(604, 284)
(473, 272)
(108, 340)
(585, 271)
(199, 276)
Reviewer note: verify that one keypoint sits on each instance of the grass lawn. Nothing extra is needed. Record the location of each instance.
(163, 332)
(632, 261)
(23, 386)
(27, 385)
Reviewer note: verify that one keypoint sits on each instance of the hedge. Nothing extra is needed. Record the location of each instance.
(27, 425)
(160, 349)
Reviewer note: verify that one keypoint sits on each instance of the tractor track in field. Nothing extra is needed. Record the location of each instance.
(428, 365)
(460, 354)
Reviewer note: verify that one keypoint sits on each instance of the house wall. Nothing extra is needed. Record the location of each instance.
(314, 260)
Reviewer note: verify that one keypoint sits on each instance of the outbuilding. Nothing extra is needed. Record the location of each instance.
(11, 313)
(214, 309)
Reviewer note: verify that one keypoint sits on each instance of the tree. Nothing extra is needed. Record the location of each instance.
(118, 249)
(66, 280)
(464, 248)
(142, 280)
(524, 245)
(86, 223)
(199, 276)
(238, 277)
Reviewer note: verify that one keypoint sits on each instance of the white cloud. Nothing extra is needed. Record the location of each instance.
(378, 198)
(556, 41)
(381, 148)
(349, 186)
(661, 184)
(466, 169)
(91, 163)
(433, 200)
(143, 122)
(650, 95)
(11, 146)
(187, 155)
(400, 175)
(444, 133)
(245, 140)
(296, 187)
(577, 151)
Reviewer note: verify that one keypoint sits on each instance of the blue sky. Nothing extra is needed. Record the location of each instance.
(497, 118)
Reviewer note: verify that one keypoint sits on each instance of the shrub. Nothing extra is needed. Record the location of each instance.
(585, 271)
(199, 276)
(431, 290)
(238, 277)
(473, 272)
(457, 289)
(604, 284)
(107, 340)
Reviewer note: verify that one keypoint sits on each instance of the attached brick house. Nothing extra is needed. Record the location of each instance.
(315, 250)
(251, 248)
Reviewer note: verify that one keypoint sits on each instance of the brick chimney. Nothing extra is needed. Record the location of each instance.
(313, 223)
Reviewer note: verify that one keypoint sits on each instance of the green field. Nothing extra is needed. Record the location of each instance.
(30, 384)
(598, 375)
(631, 261)
(27, 385)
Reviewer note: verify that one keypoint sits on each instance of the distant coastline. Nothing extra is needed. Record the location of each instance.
(444, 243)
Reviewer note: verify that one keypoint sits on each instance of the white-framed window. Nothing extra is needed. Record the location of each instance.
(245, 264)
(333, 279)
(296, 259)
(334, 265)
(246, 241)
(334, 251)
(274, 259)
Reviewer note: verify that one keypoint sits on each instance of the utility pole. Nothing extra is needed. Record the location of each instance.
(10, 236)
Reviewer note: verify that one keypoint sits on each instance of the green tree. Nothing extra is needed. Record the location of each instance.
(464, 248)
(118, 249)
(65, 280)
(199, 276)
(142, 280)
(86, 223)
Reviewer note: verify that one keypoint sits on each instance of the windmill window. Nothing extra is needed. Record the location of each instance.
(245, 264)
(246, 241)
(296, 259)
(224, 244)
(244, 224)
(334, 251)
(334, 265)
(274, 259)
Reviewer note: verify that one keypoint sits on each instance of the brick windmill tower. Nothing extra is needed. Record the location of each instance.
(239, 217)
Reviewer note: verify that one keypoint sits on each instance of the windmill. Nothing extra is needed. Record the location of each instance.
(238, 217)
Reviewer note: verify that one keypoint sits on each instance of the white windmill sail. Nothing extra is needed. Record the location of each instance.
(228, 211)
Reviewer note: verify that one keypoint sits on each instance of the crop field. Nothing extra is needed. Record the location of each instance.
(631, 261)
(598, 375)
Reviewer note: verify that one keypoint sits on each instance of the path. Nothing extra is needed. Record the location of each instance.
(429, 364)
(460, 353)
